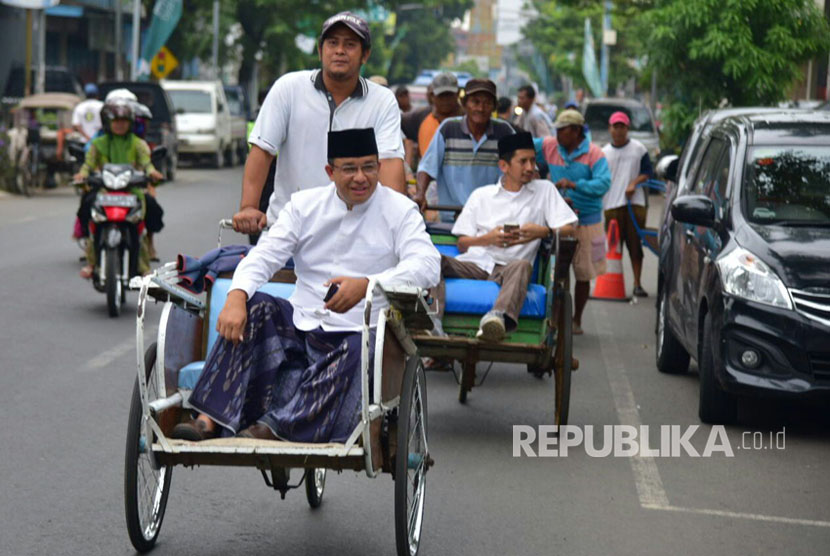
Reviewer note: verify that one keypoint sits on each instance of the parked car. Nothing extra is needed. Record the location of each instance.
(744, 264)
(598, 111)
(57, 80)
(162, 129)
(240, 110)
(203, 121)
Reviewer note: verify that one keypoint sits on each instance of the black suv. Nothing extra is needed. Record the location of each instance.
(162, 128)
(744, 264)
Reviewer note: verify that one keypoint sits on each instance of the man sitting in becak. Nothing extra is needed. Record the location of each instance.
(489, 251)
(290, 369)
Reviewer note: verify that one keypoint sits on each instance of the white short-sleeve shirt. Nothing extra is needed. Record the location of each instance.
(537, 202)
(296, 117)
(87, 114)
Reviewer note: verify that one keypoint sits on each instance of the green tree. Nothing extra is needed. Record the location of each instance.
(740, 52)
(558, 35)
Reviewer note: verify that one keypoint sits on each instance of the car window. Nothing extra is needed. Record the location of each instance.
(788, 184)
(692, 164)
(720, 181)
(191, 102)
(705, 176)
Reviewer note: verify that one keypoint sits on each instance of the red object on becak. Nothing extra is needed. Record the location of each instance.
(611, 285)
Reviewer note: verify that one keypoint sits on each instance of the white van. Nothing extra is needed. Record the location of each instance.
(203, 121)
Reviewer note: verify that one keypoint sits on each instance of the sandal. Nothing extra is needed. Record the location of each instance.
(86, 272)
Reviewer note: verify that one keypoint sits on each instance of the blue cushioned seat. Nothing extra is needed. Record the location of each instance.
(189, 374)
(478, 296)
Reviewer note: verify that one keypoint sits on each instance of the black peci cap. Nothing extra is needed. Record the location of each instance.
(512, 143)
(352, 143)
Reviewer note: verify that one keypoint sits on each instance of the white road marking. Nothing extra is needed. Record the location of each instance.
(106, 358)
(740, 515)
(646, 475)
(647, 479)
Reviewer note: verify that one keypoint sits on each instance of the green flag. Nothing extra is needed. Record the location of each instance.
(589, 62)
(166, 14)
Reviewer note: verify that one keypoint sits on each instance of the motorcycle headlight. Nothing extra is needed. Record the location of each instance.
(116, 181)
(746, 276)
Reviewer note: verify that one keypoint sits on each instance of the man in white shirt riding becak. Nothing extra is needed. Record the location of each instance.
(289, 369)
(500, 230)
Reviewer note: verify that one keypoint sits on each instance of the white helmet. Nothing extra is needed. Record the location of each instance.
(124, 94)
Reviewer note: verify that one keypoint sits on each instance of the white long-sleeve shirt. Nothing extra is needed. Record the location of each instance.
(384, 237)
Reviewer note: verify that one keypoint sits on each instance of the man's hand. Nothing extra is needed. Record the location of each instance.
(234, 316)
(629, 191)
(351, 291)
(565, 183)
(420, 199)
(249, 221)
(155, 175)
(530, 232)
(498, 237)
(78, 178)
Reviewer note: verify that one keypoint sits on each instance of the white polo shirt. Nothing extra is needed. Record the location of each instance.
(384, 237)
(537, 202)
(296, 117)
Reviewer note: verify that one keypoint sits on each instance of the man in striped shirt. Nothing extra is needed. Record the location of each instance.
(464, 153)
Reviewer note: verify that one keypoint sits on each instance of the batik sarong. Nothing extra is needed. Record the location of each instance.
(304, 386)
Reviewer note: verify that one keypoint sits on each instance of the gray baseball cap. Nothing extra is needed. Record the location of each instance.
(444, 82)
(353, 22)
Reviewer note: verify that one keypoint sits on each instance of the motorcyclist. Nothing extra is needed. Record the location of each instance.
(118, 145)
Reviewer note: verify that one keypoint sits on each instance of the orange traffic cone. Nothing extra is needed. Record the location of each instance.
(611, 285)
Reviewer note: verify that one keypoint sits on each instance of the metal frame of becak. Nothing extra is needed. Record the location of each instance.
(392, 414)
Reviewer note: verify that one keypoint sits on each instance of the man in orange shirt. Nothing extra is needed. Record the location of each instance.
(444, 105)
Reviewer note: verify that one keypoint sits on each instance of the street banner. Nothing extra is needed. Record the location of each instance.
(166, 15)
(590, 70)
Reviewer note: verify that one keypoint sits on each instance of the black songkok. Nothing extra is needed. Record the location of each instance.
(351, 143)
(512, 143)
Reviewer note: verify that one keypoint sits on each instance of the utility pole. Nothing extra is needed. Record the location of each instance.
(136, 29)
(215, 57)
(41, 51)
(119, 41)
(27, 88)
(606, 40)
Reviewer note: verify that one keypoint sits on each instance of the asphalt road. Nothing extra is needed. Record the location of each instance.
(66, 373)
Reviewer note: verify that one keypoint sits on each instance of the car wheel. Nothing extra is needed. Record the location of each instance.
(671, 357)
(172, 166)
(218, 158)
(716, 407)
(230, 156)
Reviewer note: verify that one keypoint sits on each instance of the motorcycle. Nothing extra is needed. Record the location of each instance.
(116, 228)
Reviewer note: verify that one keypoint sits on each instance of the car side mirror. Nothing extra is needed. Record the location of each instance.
(697, 210)
(158, 155)
(666, 168)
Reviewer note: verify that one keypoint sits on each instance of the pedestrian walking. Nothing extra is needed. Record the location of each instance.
(532, 119)
(580, 171)
(630, 166)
